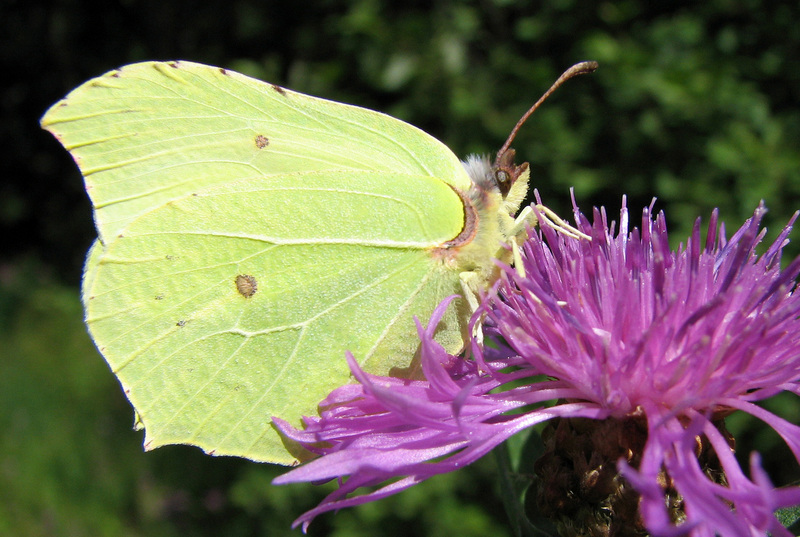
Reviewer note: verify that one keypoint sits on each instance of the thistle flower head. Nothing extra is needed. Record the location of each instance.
(642, 349)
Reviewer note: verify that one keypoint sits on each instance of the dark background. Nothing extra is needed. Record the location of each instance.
(695, 104)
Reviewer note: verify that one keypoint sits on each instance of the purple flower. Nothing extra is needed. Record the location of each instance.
(636, 348)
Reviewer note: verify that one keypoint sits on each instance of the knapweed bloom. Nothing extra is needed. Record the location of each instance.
(632, 351)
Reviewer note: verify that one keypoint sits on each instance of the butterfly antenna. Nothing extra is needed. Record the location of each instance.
(577, 69)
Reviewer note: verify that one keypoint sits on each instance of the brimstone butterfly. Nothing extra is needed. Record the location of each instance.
(250, 235)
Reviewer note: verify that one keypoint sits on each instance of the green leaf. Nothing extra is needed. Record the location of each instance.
(789, 517)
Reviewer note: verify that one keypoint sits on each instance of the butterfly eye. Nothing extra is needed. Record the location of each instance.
(504, 179)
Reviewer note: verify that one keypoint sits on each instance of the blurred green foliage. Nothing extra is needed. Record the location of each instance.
(694, 103)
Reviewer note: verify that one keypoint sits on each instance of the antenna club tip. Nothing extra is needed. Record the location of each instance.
(582, 68)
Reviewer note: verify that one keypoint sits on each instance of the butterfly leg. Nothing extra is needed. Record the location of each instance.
(470, 283)
(529, 217)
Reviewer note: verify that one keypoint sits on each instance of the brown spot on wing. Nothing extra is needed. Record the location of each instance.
(262, 141)
(246, 285)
